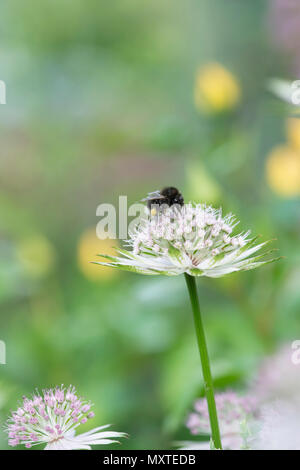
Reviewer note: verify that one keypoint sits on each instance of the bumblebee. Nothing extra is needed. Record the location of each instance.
(167, 196)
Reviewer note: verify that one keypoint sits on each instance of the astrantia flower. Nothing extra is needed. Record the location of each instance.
(51, 419)
(278, 428)
(278, 378)
(234, 412)
(193, 239)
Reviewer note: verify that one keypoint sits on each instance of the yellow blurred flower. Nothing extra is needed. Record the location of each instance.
(293, 132)
(89, 245)
(36, 254)
(216, 89)
(283, 171)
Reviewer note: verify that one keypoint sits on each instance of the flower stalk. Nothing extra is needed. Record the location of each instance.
(208, 383)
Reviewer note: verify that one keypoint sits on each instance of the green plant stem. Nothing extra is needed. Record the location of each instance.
(208, 383)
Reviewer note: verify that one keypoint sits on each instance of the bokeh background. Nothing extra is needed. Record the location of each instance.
(122, 98)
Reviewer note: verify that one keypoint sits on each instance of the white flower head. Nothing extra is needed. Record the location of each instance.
(278, 378)
(194, 239)
(51, 419)
(235, 414)
(278, 428)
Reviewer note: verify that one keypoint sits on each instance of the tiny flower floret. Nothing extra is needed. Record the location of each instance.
(194, 239)
(51, 419)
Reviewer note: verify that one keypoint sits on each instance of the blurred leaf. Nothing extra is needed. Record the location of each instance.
(200, 186)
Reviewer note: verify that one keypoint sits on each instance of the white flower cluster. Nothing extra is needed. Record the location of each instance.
(193, 239)
(277, 387)
(278, 427)
(51, 419)
(278, 378)
(188, 229)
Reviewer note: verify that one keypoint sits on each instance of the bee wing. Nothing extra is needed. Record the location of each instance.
(153, 195)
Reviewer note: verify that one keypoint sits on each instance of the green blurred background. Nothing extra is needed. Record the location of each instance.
(122, 98)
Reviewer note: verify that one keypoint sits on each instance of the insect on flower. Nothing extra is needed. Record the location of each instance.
(51, 419)
(195, 239)
(166, 197)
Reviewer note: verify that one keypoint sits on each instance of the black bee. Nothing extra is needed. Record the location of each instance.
(168, 196)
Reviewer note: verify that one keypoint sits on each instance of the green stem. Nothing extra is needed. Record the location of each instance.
(208, 383)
